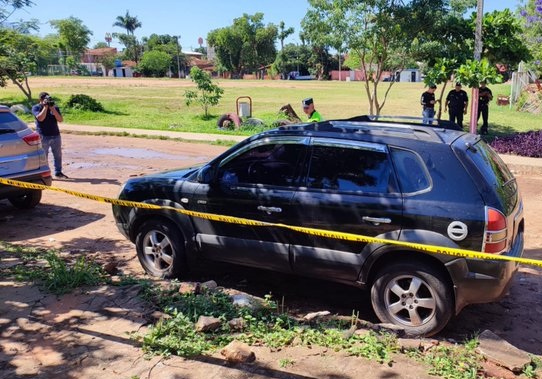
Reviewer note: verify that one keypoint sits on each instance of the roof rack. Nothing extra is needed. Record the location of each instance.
(436, 123)
(398, 126)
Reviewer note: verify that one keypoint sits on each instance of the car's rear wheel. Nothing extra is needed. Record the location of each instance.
(160, 248)
(27, 200)
(414, 296)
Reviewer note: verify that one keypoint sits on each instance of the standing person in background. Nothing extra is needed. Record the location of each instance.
(308, 108)
(484, 97)
(456, 103)
(428, 102)
(47, 116)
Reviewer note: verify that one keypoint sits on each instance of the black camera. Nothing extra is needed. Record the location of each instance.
(48, 100)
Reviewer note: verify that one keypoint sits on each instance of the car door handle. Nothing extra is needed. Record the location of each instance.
(269, 210)
(377, 220)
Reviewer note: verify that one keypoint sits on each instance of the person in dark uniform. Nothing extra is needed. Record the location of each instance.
(428, 103)
(456, 103)
(484, 97)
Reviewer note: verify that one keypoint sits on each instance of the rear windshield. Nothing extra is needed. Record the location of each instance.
(9, 123)
(492, 166)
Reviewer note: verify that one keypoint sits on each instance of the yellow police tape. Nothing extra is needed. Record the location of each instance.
(312, 231)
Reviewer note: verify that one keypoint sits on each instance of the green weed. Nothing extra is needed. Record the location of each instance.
(285, 362)
(530, 371)
(262, 326)
(47, 268)
(452, 362)
(175, 336)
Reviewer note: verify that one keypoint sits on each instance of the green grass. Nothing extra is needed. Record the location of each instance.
(48, 269)
(268, 325)
(159, 103)
(452, 361)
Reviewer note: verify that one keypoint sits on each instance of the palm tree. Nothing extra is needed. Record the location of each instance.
(128, 22)
(284, 33)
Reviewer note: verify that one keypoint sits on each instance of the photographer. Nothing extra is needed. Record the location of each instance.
(47, 117)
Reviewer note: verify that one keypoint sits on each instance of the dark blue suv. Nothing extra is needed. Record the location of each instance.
(393, 180)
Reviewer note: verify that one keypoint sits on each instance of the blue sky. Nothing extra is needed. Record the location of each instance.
(189, 19)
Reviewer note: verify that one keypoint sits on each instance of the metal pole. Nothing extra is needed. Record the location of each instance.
(340, 64)
(477, 57)
(178, 58)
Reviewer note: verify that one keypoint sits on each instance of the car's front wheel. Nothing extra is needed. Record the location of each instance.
(414, 296)
(27, 200)
(160, 248)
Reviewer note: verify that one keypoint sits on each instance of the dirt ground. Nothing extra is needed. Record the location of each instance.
(84, 334)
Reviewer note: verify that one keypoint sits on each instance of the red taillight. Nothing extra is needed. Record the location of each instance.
(496, 232)
(32, 139)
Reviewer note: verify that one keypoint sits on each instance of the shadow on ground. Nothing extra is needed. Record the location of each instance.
(17, 224)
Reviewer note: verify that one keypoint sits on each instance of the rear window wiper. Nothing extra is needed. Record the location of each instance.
(471, 147)
(509, 181)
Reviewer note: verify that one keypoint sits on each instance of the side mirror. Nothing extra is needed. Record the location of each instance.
(206, 174)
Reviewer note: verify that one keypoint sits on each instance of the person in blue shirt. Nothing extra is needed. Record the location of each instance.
(47, 116)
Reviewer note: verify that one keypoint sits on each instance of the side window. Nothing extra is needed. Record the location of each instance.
(411, 172)
(350, 170)
(273, 164)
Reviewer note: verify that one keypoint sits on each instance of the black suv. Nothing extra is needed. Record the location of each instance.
(392, 180)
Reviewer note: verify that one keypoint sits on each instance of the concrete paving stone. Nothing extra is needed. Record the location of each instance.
(501, 352)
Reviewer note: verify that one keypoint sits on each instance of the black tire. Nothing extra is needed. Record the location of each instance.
(160, 249)
(27, 200)
(413, 295)
(225, 122)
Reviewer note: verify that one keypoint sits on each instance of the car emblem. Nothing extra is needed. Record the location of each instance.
(458, 230)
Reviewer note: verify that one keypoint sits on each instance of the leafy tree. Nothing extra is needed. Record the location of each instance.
(373, 30)
(130, 23)
(100, 45)
(292, 58)
(246, 45)
(128, 39)
(167, 44)
(155, 63)
(132, 48)
(8, 7)
(502, 40)
(472, 73)
(18, 55)
(207, 93)
(47, 52)
(108, 61)
(74, 36)
(531, 18)
(284, 33)
(440, 73)
(439, 30)
(459, 7)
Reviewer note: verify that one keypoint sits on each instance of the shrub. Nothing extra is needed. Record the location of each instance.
(84, 102)
(528, 144)
(155, 63)
(207, 93)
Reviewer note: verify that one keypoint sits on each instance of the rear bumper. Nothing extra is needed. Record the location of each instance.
(41, 177)
(483, 281)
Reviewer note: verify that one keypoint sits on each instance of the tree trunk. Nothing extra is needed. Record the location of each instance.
(439, 113)
(25, 88)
